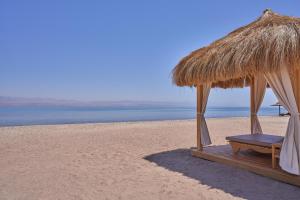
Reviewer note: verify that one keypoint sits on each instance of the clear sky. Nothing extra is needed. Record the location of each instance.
(116, 50)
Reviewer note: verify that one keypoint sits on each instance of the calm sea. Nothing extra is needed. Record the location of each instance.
(68, 115)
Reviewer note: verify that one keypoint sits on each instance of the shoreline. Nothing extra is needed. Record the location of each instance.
(130, 121)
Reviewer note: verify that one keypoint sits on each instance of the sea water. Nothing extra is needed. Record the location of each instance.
(31, 115)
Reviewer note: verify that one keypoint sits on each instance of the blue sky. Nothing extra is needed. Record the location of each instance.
(116, 50)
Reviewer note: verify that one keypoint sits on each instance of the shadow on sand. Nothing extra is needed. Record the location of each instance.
(237, 182)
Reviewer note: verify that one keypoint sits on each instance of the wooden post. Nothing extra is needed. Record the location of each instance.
(296, 87)
(199, 108)
(279, 111)
(252, 103)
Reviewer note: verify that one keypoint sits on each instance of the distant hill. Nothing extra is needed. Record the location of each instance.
(21, 101)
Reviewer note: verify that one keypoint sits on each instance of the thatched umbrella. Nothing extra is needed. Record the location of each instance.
(261, 46)
(279, 109)
(266, 50)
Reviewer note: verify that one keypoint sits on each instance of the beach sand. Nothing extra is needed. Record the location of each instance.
(133, 160)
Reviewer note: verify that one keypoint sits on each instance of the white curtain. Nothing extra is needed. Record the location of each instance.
(205, 138)
(281, 85)
(259, 87)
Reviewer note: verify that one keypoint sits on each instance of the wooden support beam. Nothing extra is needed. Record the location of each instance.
(296, 87)
(199, 108)
(252, 103)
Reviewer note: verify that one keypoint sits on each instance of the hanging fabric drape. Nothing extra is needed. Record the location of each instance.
(281, 85)
(205, 138)
(259, 88)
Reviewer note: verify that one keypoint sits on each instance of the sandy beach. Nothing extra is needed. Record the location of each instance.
(133, 160)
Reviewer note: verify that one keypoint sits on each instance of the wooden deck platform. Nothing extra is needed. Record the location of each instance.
(249, 160)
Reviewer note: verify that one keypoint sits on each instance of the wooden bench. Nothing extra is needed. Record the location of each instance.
(262, 143)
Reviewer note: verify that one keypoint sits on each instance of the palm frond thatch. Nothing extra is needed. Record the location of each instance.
(261, 46)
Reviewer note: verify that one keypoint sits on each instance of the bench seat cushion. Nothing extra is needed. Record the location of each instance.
(256, 139)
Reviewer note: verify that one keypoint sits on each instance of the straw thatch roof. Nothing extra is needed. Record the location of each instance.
(261, 46)
(276, 104)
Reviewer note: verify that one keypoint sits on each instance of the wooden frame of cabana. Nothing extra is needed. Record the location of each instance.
(226, 156)
(263, 53)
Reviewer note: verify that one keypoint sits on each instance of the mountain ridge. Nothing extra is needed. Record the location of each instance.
(32, 101)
